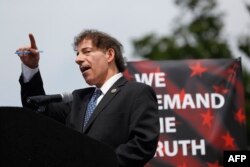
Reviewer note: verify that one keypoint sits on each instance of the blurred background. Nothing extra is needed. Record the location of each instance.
(156, 30)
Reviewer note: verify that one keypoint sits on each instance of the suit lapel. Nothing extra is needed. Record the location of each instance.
(112, 92)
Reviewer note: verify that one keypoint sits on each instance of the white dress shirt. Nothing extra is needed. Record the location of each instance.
(108, 84)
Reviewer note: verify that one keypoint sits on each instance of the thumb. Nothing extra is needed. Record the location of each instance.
(32, 41)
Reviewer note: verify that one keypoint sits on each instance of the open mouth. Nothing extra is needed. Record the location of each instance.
(84, 68)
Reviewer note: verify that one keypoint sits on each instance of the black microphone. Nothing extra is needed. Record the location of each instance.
(46, 99)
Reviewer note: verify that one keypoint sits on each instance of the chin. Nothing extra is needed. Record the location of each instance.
(89, 82)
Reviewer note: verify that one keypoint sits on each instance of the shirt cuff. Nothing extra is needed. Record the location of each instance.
(28, 73)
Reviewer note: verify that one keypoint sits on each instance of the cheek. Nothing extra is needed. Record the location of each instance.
(101, 68)
(100, 63)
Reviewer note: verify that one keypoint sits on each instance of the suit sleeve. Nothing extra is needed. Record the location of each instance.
(143, 130)
(57, 111)
(32, 88)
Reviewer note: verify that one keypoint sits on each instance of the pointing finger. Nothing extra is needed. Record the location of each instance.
(32, 41)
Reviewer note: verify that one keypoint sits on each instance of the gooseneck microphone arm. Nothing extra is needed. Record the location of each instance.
(42, 100)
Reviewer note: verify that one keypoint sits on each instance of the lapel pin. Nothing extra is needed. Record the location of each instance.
(113, 90)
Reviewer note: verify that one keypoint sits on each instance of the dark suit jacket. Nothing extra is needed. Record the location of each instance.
(126, 118)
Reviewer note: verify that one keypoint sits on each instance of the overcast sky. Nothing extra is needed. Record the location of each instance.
(54, 23)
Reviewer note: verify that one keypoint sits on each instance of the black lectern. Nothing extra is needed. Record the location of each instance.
(33, 140)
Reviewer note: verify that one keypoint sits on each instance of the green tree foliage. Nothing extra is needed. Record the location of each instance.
(198, 34)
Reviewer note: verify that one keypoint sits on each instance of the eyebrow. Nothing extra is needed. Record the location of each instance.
(83, 49)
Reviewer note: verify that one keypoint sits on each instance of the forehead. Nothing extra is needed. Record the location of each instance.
(85, 43)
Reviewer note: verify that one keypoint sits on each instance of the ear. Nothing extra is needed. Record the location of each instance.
(110, 54)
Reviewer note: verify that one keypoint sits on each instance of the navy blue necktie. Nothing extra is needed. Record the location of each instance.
(91, 105)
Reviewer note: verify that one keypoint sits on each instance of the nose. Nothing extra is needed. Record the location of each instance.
(79, 59)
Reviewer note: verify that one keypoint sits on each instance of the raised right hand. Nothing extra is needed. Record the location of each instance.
(30, 59)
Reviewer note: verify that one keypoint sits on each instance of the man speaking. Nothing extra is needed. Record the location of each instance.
(115, 111)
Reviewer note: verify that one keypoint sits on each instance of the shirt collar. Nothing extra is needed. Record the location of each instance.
(107, 85)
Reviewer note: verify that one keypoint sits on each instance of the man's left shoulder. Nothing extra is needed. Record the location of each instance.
(138, 85)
